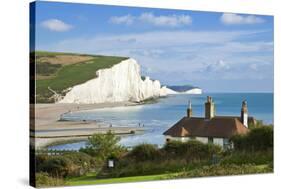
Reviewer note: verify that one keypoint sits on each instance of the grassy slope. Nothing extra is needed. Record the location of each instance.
(71, 75)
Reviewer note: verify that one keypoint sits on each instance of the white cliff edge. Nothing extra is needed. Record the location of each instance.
(120, 83)
(193, 91)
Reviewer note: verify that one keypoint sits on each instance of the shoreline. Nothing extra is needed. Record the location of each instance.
(48, 129)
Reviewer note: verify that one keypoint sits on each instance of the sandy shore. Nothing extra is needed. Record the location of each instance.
(48, 129)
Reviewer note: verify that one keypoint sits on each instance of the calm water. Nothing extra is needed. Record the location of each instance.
(160, 116)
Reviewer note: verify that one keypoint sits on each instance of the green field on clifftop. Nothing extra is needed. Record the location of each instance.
(59, 71)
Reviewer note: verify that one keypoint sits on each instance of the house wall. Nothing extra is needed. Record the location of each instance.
(217, 141)
(185, 139)
(202, 139)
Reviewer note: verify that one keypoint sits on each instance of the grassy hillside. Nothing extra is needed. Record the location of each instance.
(59, 71)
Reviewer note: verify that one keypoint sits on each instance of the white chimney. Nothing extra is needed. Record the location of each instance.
(244, 114)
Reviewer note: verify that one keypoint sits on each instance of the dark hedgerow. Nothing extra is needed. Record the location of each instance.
(68, 164)
(145, 152)
(192, 150)
(260, 138)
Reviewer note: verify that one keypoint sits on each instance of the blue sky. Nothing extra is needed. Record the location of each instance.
(219, 52)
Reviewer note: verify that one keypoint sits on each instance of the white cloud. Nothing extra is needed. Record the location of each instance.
(218, 66)
(56, 25)
(254, 67)
(127, 19)
(151, 40)
(231, 18)
(195, 55)
(150, 18)
(169, 20)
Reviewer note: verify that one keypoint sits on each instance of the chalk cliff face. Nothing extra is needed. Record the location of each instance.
(120, 83)
(194, 91)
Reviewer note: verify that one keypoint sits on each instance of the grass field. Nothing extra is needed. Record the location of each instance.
(62, 75)
(216, 170)
(90, 179)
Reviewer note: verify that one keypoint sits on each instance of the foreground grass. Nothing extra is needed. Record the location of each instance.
(215, 170)
(91, 179)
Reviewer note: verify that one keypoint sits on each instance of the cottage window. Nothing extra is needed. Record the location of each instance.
(210, 140)
(226, 144)
(110, 163)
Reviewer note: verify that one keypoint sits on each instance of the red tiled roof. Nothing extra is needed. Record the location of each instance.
(219, 126)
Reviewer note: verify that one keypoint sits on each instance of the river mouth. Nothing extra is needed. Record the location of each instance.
(156, 118)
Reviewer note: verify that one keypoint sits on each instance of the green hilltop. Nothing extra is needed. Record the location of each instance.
(56, 71)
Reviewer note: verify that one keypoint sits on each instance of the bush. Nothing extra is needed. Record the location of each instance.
(144, 152)
(43, 179)
(192, 150)
(56, 166)
(260, 138)
(69, 164)
(222, 170)
(146, 159)
(39, 161)
(83, 161)
(102, 146)
(242, 157)
(129, 167)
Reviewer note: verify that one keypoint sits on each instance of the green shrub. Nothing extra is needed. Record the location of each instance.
(221, 170)
(43, 179)
(245, 157)
(146, 159)
(260, 138)
(129, 167)
(83, 161)
(192, 150)
(101, 146)
(39, 161)
(79, 158)
(144, 152)
(175, 148)
(69, 164)
(56, 166)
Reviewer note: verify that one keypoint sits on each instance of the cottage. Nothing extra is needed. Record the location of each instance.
(211, 128)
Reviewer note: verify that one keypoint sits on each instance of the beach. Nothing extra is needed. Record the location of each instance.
(49, 129)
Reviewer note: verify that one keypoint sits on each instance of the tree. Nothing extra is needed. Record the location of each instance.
(103, 145)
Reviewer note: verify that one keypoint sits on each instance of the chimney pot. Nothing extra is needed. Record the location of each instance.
(189, 109)
(244, 113)
(209, 108)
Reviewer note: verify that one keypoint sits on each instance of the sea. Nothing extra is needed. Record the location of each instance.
(155, 118)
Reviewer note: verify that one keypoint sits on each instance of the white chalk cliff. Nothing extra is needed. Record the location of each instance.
(193, 91)
(122, 82)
